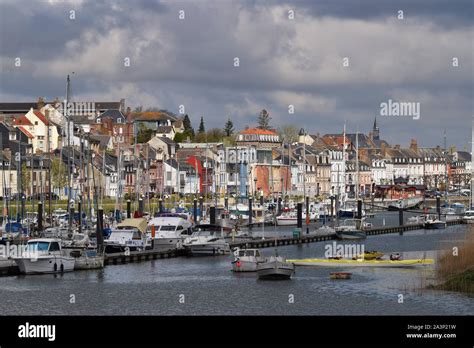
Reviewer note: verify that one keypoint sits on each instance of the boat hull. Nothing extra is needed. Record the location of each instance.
(362, 263)
(168, 243)
(41, 265)
(435, 225)
(286, 221)
(351, 235)
(208, 249)
(275, 270)
(244, 266)
(94, 262)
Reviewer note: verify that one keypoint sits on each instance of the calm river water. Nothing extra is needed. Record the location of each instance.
(210, 288)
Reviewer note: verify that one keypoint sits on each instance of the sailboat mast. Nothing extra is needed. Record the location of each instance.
(472, 162)
(304, 168)
(446, 179)
(50, 171)
(69, 171)
(357, 164)
(343, 197)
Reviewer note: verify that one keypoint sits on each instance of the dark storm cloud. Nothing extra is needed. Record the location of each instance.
(190, 62)
(446, 13)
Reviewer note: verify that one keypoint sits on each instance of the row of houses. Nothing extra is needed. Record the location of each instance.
(103, 157)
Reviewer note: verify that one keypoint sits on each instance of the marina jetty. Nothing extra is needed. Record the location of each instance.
(298, 236)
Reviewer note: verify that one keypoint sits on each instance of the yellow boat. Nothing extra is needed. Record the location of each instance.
(361, 263)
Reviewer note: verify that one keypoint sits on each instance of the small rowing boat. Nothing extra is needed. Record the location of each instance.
(361, 263)
(341, 275)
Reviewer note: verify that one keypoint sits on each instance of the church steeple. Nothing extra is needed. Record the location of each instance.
(375, 130)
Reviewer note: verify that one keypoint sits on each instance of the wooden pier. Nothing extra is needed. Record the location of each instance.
(139, 256)
(8, 269)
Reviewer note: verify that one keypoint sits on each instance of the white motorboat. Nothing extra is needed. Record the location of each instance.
(468, 217)
(433, 223)
(170, 230)
(290, 218)
(287, 219)
(351, 229)
(246, 260)
(275, 268)
(207, 240)
(130, 234)
(44, 255)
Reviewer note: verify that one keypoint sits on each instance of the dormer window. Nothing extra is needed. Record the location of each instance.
(119, 120)
(98, 120)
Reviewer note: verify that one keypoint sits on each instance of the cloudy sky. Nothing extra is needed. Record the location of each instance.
(282, 61)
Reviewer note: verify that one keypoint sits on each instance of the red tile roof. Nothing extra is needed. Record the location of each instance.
(258, 131)
(22, 121)
(41, 117)
(28, 134)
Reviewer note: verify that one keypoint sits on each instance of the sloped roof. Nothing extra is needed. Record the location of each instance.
(151, 116)
(165, 129)
(42, 117)
(114, 114)
(28, 134)
(258, 131)
(464, 156)
(22, 121)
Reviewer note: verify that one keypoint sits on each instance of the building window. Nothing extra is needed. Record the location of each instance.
(98, 120)
(119, 120)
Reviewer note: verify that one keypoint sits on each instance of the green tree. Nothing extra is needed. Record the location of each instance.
(201, 129)
(264, 120)
(288, 134)
(58, 173)
(187, 125)
(215, 135)
(183, 137)
(229, 128)
(144, 134)
(25, 178)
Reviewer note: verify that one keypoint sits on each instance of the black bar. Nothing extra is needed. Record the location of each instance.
(279, 205)
(299, 209)
(140, 205)
(400, 216)
(250, 211)
(438, 206)
(332, 206)
(212, 212)
(195, 213)
(201, 207)
(261, 200)
(79, 209)
(395, 329)
(71, 213)
(359, 209)
(226, 203)
(100, 230)
(307, 208)
(40, 216)
(129, 208)
(160, 205)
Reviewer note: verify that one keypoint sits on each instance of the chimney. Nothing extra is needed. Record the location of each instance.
(383, 149)
(363, 154)
(414, 145)
(40, 103)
